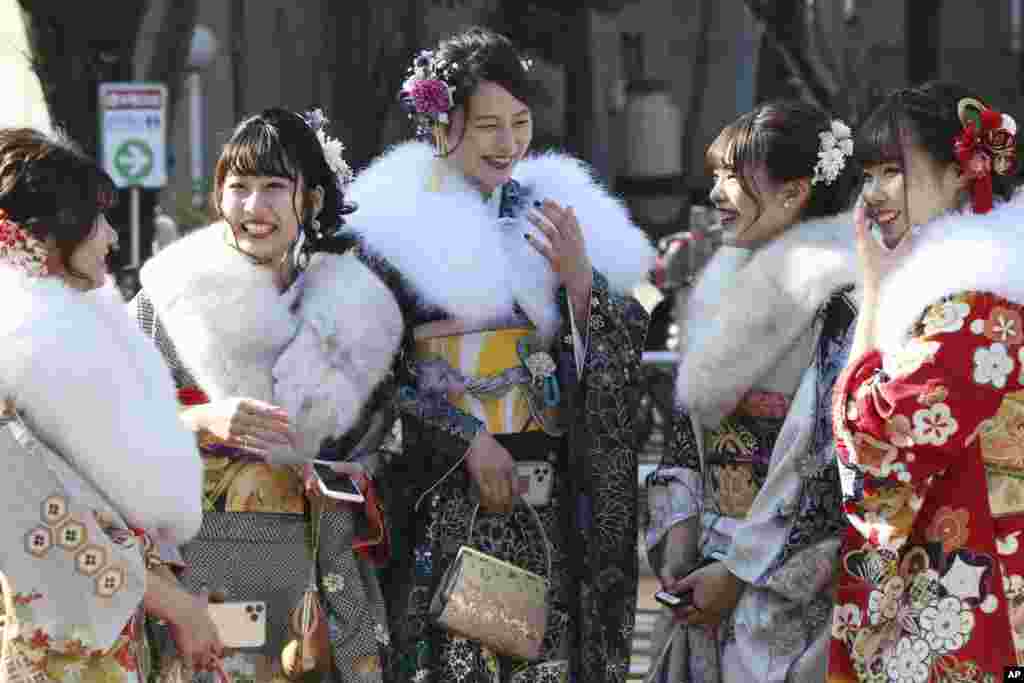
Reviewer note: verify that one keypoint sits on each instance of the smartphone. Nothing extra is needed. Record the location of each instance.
(240, 624)
(673, 600)
(336, 485)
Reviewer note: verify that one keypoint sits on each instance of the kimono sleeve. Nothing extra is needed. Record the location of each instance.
(905, 419)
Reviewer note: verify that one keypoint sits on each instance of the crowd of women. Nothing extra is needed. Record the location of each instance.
(840, 499)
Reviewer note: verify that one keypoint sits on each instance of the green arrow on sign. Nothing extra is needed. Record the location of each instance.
(133, 159)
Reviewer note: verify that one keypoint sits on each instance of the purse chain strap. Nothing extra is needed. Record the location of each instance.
(536, 518)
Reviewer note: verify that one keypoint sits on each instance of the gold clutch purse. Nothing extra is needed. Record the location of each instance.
(494, 602)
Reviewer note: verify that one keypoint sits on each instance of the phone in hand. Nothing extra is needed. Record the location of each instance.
(674, 600)
(336, 485)
(240, 624)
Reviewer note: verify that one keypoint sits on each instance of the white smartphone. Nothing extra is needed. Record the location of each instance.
(240, 624)
(536, 480)
(336, 485)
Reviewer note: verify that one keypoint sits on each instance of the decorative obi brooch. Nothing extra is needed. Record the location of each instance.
(542, 369)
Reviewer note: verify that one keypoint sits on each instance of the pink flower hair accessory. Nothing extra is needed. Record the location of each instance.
(432, 96)
(21, 249)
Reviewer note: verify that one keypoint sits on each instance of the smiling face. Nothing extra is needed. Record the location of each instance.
(490, 135)
(89, 259)
(897, 198)
(263, 213)
(748, 223)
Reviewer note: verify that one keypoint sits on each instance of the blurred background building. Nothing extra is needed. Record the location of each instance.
(636, 87)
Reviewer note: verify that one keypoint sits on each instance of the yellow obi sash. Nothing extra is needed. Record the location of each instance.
(248, 486)
(481, 374)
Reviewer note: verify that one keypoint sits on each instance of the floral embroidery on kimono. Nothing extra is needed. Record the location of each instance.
(932, 475)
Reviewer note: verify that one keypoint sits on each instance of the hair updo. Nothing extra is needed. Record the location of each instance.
(925, 115)
(781, 140)
(280, 143)
(52, 189)
(479, 54)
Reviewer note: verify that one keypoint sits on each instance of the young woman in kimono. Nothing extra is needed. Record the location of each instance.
(928, 411)
(84, 395)
(277, 335)
(744, 509)
(518, 373)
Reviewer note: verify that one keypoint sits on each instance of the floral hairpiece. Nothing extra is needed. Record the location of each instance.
(21, 249)
(333, 147)
(987, 143)
(836, 144)
(428, 93)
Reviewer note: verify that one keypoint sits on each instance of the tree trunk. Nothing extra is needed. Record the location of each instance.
(922, 37)
(73, 47)
(376, 42)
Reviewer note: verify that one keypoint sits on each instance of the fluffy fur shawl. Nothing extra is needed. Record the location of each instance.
(749, 307)
(956, 253)
(92, 386)
(458, 256)
(318, 350)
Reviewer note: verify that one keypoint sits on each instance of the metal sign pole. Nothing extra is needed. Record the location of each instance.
(136, 230)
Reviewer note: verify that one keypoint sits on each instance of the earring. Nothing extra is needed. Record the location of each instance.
(316, 228)
(787, 204)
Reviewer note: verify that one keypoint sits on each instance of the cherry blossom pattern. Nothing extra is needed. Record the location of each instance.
(947, 626)
(910, 663)
(951, 527)
(948, 317)
(992, 365)
(934, 425)
(1004, 326)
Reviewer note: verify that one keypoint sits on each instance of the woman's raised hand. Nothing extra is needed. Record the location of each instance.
(566, 249)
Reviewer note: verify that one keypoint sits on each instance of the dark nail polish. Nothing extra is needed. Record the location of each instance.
(526, 236)
(538, 203)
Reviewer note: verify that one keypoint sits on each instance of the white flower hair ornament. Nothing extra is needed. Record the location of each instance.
(835, 146)
(333, 147)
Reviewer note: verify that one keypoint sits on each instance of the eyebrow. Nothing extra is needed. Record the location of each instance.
(524, 112)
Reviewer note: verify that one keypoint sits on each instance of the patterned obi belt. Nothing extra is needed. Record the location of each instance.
(495, 375)
(738, 453)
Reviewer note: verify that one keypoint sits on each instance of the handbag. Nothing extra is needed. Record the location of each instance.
(494, 602)
(310, 650)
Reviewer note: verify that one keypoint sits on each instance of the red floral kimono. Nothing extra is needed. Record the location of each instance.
(932, 566)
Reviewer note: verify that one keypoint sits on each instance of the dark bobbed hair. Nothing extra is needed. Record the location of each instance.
(481, 54)
(52, 188)
(781, 137)
(925, 115)
(280, 143)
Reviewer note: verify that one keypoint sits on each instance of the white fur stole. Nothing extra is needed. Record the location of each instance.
(459, 256)
(78, 368)
(750, 307)
(318, 350)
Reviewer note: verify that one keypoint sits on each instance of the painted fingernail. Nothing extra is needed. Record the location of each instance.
(526, 236)
(538, 203)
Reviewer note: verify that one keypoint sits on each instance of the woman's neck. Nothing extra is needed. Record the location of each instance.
(279, 265)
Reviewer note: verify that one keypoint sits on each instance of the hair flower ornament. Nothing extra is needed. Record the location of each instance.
(428, 94)
(334, 149)
(987, 144)
(21, 249)
(835, 146)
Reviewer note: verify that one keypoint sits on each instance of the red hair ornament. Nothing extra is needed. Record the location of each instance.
(986, 145)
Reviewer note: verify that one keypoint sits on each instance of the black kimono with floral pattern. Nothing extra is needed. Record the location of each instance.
(591, 522)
